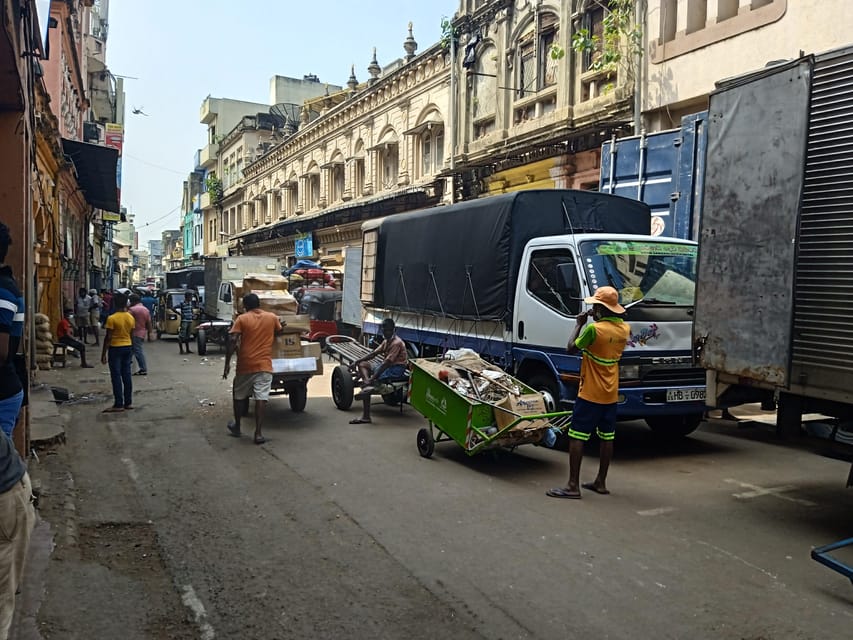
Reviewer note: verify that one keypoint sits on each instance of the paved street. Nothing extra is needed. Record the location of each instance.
(165, 527)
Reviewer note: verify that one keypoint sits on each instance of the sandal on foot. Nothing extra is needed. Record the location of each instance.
(113, 410)
(260, 440)
(128, 407)
(563, 492)
(591, 486)
(233, 429)
(360, 421)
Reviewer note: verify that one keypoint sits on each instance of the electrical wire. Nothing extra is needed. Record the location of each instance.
(153, 164)
(165, 215)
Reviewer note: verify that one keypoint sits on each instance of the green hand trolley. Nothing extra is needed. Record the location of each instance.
(469, 421)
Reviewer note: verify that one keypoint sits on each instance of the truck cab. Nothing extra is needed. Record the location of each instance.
(656, 280)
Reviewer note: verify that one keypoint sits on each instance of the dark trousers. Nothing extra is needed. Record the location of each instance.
(120, 360)
(68, 341)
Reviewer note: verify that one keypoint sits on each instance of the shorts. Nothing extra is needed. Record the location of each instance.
(81, 320)
(184, 332)
(94, 317)
(587, 416)
(394, 372)
(255, 385)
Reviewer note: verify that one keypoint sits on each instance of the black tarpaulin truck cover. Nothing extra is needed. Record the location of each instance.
(462, 261)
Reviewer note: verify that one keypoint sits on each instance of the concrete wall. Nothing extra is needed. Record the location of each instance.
(293, 90)
(682, 67)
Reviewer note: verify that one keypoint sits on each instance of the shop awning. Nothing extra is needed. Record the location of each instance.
(96, 168)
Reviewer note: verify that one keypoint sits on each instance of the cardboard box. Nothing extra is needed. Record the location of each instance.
(313, 350)
(529, 404)
(295, 323)
(287, 346)
(278, 302)
(258, 282)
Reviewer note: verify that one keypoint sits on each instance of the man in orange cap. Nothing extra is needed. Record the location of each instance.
(602, 343)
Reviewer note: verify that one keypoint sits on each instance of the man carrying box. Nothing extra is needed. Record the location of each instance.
(255, 331)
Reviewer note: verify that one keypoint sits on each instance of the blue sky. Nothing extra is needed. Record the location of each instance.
(181, 51)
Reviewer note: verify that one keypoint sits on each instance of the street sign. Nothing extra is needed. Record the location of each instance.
(304, 246)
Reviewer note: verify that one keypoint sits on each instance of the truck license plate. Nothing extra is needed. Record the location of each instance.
(685, 395)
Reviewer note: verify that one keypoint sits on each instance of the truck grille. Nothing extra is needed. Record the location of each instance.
(823, 335)
(673, 377)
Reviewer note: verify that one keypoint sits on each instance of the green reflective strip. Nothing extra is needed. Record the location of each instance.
(578, 435)
(606, 436)
(604, 361)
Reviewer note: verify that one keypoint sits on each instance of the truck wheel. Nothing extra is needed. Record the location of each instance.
(547, 386)
(426, 443)
(678, 426)
(201, 342)
(298, 396)
(342, 387)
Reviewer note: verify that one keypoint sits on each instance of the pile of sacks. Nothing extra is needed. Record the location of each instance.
(44, 342)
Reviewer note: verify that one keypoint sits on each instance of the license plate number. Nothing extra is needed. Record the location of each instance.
(685, 395)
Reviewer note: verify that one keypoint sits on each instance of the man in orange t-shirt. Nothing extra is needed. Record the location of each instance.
(602, 344)
(255, 331)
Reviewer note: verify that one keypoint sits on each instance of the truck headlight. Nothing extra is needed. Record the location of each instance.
(629, 372)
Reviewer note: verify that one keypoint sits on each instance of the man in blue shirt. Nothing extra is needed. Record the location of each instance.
(185, 332)
(11, 330)
(17, 515)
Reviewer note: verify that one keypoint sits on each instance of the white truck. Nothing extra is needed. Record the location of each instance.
(223, 276)
(506, 275)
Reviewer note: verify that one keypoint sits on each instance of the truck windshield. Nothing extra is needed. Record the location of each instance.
(654, 272)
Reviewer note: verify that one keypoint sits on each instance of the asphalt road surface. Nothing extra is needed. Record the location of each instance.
(163, 526)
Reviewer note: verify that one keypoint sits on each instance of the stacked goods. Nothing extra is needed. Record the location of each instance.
(271, 291)
(472, 377)
(290, 347)
(257, 282)
(44, 341)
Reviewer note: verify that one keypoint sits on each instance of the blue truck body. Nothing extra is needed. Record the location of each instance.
(665, 170)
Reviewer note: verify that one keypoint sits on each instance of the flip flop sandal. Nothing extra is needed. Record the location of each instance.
(260, 440)
(562, 492)
(591, 486)
(360, 421)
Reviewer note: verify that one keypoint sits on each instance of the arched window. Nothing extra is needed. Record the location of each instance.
(432, 150)
(535, 68)
(358, 175)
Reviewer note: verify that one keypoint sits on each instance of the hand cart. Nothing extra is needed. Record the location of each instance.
(821, 554)
(347, 350)
(470, 421)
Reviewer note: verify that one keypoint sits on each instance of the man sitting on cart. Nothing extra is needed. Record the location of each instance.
(393, 367)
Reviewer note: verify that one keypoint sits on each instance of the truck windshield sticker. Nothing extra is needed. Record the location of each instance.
(645, 249)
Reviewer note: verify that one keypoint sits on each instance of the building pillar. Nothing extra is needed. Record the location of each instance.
(270, 213)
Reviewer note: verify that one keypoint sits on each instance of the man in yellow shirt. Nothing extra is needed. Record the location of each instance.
(118, 350)
(602, 344)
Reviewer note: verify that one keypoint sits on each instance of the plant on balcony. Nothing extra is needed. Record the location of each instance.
(214, 188)
(620, 42)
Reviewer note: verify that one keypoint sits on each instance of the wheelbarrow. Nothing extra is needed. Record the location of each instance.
(473, 423)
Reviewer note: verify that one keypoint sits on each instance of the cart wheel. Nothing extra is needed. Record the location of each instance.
(201, 342)
(342, 387)
(426, 443)
(298, 396)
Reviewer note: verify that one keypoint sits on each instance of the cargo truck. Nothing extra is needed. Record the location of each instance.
(223, 276)
(664, 169)
(506, 275)
(775, 285)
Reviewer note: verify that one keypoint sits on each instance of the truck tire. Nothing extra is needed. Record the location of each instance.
(547, 386)
(298, 396)
(201, 341)
(676, 426)
(342, 387)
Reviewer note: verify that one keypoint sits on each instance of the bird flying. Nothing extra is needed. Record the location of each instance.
(138, 111)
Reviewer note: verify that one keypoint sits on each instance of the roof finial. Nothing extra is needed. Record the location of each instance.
(352, 83)
(374, 69)
(410, 45)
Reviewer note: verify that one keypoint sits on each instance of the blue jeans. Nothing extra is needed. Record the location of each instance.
(120, 360)
(9, 410)
(139, 353)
